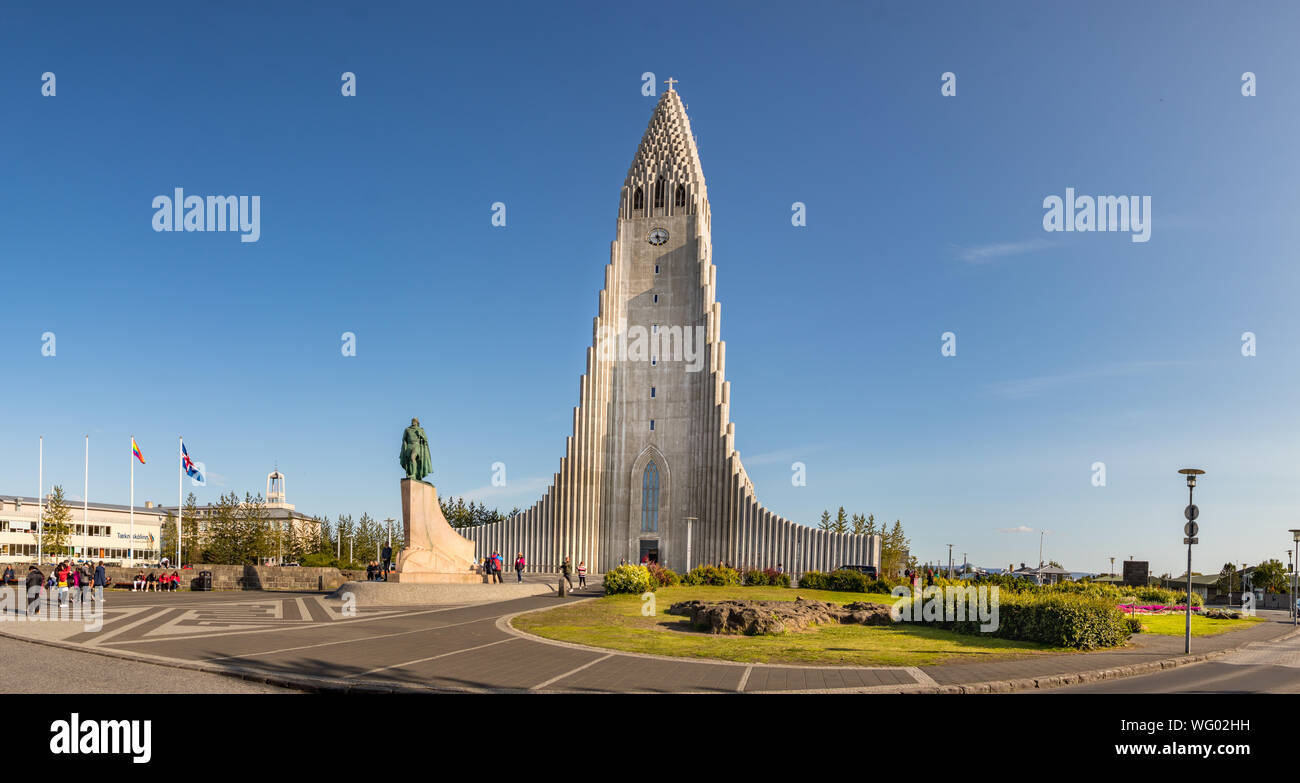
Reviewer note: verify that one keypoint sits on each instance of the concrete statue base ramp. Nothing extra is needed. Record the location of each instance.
(426, 594)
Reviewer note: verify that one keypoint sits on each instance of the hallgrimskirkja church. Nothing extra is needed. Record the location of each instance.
(651, 470)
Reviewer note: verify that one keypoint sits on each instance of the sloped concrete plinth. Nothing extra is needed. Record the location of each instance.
(408, 594)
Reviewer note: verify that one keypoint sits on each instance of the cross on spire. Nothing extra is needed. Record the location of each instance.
(670, 81)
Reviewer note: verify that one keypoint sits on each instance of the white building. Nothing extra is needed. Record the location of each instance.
(100, 531)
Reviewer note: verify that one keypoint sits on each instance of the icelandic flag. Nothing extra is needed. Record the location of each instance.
(190, 468)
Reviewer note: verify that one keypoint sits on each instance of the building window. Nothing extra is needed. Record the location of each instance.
(656, 269)
(659, 193)
(656, 298)
(653, 361)
(638, 199)
(652, 392)
(652, 425)
(650, 499)
(680, 199)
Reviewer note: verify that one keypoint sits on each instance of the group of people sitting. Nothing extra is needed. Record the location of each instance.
(163, 582)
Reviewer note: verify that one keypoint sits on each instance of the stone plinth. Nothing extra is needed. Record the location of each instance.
(433, 551)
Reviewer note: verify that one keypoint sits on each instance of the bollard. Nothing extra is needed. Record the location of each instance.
(561, 587)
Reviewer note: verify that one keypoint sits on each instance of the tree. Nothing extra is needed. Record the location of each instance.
(841, 523)
(57, 525)
(1270, 576)
(894, 546)
(190, 545)
(825, 523)
(1227, 581)
(367, 543)
(344, 533)
(1055, 564)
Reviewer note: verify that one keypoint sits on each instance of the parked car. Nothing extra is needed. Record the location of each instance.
(870, 571)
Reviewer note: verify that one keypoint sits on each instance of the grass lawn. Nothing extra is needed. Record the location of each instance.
(615, 622)
(1175, 624)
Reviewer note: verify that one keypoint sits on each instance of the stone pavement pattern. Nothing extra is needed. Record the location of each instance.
(303, 640)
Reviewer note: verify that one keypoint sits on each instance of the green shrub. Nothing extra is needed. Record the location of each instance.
(1057, 619)
(848, 581)
(630, 579)
(663, 577)
(814, 580)
(712, 575)
(1134, 624)
(765, 577)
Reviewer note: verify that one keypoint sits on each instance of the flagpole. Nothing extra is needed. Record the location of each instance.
(40, 503)
(130, 549)
(85, 503)
(180, 490)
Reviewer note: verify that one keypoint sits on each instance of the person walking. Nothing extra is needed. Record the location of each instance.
(582, 573)
(34, 581)
(519, 566)
(566, 571)
(388, 560)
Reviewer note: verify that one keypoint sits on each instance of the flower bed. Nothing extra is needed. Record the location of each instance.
(1154, 609)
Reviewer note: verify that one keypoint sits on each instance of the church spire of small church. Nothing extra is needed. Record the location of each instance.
(666, 168)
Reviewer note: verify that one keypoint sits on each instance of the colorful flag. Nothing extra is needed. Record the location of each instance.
(135, 449)
(188, 464)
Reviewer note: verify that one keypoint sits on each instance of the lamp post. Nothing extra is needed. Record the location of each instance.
(1112, 566)
(950, 561)
(1191, 529)
(1295, 588)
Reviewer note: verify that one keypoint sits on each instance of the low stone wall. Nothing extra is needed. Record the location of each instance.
(232, 577)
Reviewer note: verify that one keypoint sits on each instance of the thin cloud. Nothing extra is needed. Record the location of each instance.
(983, 254)
(1021, 529)
(1021, 388)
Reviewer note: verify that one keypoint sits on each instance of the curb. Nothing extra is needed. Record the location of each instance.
(1095, 675)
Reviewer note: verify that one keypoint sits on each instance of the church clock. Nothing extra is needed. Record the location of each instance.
(658, 236)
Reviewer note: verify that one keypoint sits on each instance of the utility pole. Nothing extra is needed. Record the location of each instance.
(950, 561)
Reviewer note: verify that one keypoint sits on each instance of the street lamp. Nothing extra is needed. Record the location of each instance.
(1295, 600)
(1190, 529)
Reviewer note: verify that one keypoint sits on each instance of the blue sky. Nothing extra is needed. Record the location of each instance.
(924, 216)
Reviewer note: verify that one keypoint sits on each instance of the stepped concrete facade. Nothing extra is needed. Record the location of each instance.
(651, 469)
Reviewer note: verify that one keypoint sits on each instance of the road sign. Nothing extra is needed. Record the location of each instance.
(1191, 512)
(1191, 529)
(1191, 541)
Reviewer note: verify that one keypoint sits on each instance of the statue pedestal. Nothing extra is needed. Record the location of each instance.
(432, 550)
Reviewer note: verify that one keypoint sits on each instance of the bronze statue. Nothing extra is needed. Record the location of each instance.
(414, 458)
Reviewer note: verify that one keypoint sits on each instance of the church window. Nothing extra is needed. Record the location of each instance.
(652, 425)
(653, 361)
(652, 392)
(650, 498)
(656, 298)
(680, 199)
(638, 199)
(656, 269)
(659, 193)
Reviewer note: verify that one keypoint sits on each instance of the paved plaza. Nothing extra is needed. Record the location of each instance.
(305, 641)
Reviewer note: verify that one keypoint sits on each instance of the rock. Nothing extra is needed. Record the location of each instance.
(773, 617)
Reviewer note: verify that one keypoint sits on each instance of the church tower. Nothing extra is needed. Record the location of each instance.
(651, 470)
